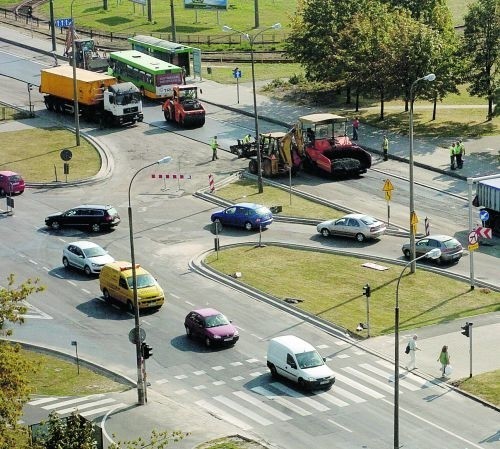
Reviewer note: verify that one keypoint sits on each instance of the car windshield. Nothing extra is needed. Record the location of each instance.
(14, 178)
(309, 359)
(112, 211)
(143, 280)
(95, 251)
(367, 220)
(216, 320)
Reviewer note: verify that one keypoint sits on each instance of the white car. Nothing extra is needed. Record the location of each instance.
(86, 256)
(359, 226)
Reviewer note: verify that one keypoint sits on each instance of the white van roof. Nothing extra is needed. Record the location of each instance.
(294, 344)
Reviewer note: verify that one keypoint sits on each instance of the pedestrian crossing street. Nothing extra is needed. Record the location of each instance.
(254, 400)
(88, 406)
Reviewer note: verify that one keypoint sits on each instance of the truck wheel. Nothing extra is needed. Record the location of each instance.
(252, 167)
(267, 169)
(130, 306)
(167, 115)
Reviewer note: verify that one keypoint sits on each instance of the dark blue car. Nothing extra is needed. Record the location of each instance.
(246, 215)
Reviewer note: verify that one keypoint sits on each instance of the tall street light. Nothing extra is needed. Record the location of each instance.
(140, 378)
(432, 254)
(75, 89)
(251, 39)
(429, 77)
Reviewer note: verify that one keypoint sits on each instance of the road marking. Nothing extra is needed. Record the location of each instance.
(46, 269)
(71, 282)
(252, 360)
(280, 400)
(178, 297)
(244, 411)
(217, 368)
(330, 398)
(343, 356)
(161, 381)
(294, 394)
(347, 394)
(200, 387)
(256, 374)
(358, 386)
(198, 373)
(84, 406)
(32, 261)
(218, 382)
(84, 290)
(340, 425)
(261, 405)
(44, 400)
(236, 363)
(109, 408)
(181, 376)
(388, 376)
(409, 376)
(369, 379)
(238, 378)
(218, 413)
(71, 401)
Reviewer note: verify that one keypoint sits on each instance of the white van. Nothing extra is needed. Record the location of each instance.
(297, 360)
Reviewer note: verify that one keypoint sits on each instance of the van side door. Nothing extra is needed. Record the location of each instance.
(122, 290)
(290, 370)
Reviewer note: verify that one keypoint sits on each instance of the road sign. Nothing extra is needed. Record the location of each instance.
(388, 187)
(413, 218)
(484, 232)
(472, 238)
(132, 335)
(237, 73)
(63, 23)
(473, 247)
(484, 215)
(66, 155)
(388, 195)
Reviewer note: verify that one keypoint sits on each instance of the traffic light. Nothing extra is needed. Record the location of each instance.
(367, 290)
(147, 351)
(466, 329)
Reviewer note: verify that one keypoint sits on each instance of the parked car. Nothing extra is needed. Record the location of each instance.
(359, 226)
(451, 249)
(86, 256)
(11, 182)
(247, 215)
(94, 216)
(211, 326)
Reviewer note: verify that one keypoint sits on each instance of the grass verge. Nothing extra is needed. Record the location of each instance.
(35, 154)
(486, 386)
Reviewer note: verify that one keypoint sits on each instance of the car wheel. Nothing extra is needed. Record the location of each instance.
(2, 192)
(406, 253)
(87, 270)
(248, 226)
(274, 372)
(96, 227)
(65, 262)
(130, 306)
(188, 332)
(106, 295)
(208, 342)
(439, 261)
(325, 232)
(360, 237)
(55, 225)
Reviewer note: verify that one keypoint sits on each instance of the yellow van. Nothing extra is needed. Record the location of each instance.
(116, 282)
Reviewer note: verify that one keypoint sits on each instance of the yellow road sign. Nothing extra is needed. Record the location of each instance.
(473, 247)
(414, 228)
(388, 186)
(413, 218)
(388, 195)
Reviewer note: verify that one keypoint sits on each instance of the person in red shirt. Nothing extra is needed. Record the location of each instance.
(355, 126)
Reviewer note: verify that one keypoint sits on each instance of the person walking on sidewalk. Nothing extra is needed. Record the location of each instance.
(452, 156)
(413, 349)
(355, 127)
(460, 154)
(444, 359)
(385, 146)
(214, 146)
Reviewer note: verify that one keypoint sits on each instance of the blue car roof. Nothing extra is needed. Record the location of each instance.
(250, 205)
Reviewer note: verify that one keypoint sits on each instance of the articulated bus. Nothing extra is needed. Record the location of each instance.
(154, 78)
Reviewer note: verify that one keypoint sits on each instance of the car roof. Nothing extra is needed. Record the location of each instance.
(8, 173)
(84, 244)
(293, 343)
(122, 265)
(440, 237)
(92, 206)
(250, 205)
(208, 311)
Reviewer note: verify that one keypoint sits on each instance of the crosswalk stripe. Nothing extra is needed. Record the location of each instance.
(358, 386)
(409, 376)
(71, 401)
(84, 406)
(389, 377)
(330, 398)
(280, 400)
(347, 394)
(44, 400)
(244, 411)
(371, 380)
(103, 409)
(212, 409)
(261, 405)
(311, 402)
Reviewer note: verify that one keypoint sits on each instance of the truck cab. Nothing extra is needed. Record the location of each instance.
(123, 102)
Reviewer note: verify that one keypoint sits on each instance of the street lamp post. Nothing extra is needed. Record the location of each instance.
(75, 89)
(429, 77)
(141, 387)
(432, 254)
(251, 39)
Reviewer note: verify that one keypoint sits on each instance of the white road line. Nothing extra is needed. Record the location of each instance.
(244, 411)
(358, 386)
(84, 406)
(71, 401)
(347, 394)
(213, 410)
(84, 290)
(60, 239)
(389, 377)
(217, 368)
(44, 400)
(261, 405)
(46, 269)
(198, 373)
(181, 376)
(280, 400)
(370, 380)
(37, 310)
(330, 398)
(294, 394)
(340, 425)
(32, 261)
(236, 363)
(237, 378)
(343, 356)
(178, 297)
(57, 275)
(103, 409)
(409, 376)
(161, 381)
(252, 360)
(71, 282)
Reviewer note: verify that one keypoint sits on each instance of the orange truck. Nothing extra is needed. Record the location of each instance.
(184, 108)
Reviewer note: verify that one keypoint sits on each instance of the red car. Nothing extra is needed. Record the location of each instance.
(211, 326)
(10, 183)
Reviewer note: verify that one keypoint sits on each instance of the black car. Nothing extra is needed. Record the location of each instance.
(94, 216)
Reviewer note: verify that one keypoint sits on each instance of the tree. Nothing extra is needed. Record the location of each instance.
(481, 48)
(157, 440)
(71, 432)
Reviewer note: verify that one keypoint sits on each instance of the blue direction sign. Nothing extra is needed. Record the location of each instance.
(237, 73)
(484, 215)
(63, 23)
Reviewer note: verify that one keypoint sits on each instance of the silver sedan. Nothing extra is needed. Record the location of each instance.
(359, 226)
(86, 256)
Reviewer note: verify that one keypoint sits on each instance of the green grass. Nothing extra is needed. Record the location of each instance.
(222, 73)
(486, 386)
(41, 150)
(331, 288)
(247, 191)
(57, 377)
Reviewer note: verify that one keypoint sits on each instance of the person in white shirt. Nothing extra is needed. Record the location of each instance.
(413, 349)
